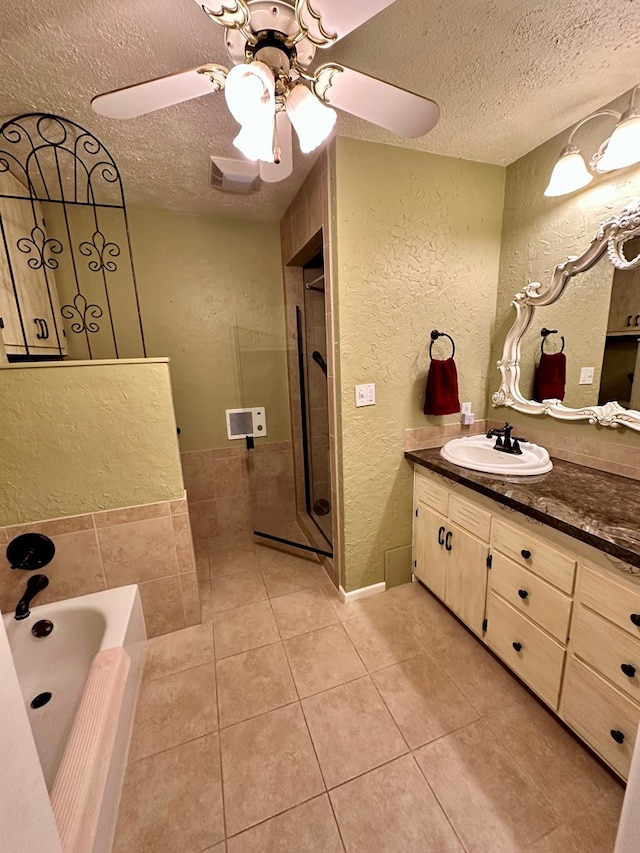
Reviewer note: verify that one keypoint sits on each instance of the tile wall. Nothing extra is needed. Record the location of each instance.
(233, 491)
(149, 545)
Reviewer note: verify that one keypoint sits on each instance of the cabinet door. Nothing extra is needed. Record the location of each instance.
(466, 576)
(430, 556)
(22, 273)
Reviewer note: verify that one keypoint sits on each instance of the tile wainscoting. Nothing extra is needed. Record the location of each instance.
(233, 491)
(150, 545)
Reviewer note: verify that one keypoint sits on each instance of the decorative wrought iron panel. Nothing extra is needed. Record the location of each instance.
(62, 185)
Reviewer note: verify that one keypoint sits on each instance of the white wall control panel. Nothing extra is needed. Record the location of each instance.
(366, 395)
(246, 422)
(586, 375)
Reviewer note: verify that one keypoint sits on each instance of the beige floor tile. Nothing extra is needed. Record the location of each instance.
(301, 612)
(352, 730)
(172, 801)
(284, 573)
(379, 604)
(423, 700)
(230, 561)
(177, 651)
(244, 628)
(218, 848)
(592, 831)
(206, 602)
(202, 566)
(392, 810)
(323, 659)
(253, 683)
(484, 681)
(173, 710)
(382, 639)
(433, 623)
(268, 766)
(236, 590)
(491, 803)
(558, 764)
(309, 828)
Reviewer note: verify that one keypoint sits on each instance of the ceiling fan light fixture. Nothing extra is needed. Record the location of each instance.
(623, 148)
(569, 174)
(312, 120)
(250, 91)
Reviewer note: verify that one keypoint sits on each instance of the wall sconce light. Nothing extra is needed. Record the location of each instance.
(621, 149)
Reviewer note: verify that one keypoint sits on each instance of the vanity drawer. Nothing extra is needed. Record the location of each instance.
(529, 594)
(615, 602)
(535, 554)
(607, 648)
(471, 518)
(536, 657)
(595, 709)
(429, 493)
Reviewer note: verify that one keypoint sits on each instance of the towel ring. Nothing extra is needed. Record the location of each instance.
(435, 334)
(545, 334)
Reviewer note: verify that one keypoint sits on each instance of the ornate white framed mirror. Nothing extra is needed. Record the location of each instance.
(591, 308)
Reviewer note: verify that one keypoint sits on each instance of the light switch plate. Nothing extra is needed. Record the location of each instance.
(465, 408)
(366, 395)
(586, 375)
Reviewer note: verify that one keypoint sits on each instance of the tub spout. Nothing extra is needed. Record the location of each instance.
(34, 585)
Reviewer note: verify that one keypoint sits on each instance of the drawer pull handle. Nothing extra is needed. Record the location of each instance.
(635, 618)
(628, 669)
(526, 554)
(440, 536)
(618, 736)
(523, 593)
(517, 646)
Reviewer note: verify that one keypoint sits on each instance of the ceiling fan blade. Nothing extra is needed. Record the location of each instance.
(271, 173)
(395, 109)
(132, 101)
(330, 20)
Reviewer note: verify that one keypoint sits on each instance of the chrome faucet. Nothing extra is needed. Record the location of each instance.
(35, 585)
(504, 441)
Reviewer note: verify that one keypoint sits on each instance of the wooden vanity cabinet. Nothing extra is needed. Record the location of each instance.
(568, 626)
(451, 551)
(29, 302)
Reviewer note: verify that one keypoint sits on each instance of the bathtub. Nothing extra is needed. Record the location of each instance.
(84, 677)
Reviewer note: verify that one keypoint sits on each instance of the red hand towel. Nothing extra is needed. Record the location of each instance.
(550, 378)
(441, 392)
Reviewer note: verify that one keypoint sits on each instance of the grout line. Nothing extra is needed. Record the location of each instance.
(437, 799)
(215, 675)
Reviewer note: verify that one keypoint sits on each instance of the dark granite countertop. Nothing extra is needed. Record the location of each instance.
(593, 506)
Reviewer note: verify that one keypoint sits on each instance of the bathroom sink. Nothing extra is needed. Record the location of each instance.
(477, 453)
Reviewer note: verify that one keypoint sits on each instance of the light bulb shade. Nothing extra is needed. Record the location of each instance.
(255, 140)
(569, 174)
(623, 149)
(312, 120)
(250, 92)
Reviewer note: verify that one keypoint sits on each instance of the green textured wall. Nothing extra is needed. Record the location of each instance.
(540, 232)
(211, 300)
(84, 437)
(417, 243)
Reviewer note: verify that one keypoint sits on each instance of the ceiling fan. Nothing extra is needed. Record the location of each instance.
(271, 44)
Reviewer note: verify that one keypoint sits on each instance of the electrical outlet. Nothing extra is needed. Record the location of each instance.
(467, 418)
(586, 375)
(366, 395)
(465, 408)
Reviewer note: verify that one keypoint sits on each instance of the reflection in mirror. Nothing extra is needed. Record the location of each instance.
(593, 302)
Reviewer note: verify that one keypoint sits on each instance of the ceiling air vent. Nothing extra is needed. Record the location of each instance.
(240, 177)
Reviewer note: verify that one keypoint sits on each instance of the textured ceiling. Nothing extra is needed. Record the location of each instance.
(507, 76)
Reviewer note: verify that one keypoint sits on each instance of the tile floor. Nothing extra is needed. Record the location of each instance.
(291, 722)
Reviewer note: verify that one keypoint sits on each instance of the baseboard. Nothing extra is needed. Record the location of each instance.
(363, 592)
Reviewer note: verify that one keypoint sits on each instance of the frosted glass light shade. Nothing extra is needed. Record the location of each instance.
(312, 120)
(569, 174)
(249, 92)
(255, 140)
(623, 149)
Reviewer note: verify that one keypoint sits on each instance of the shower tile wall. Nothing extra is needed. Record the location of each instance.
(233, 491)
(150, 545)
